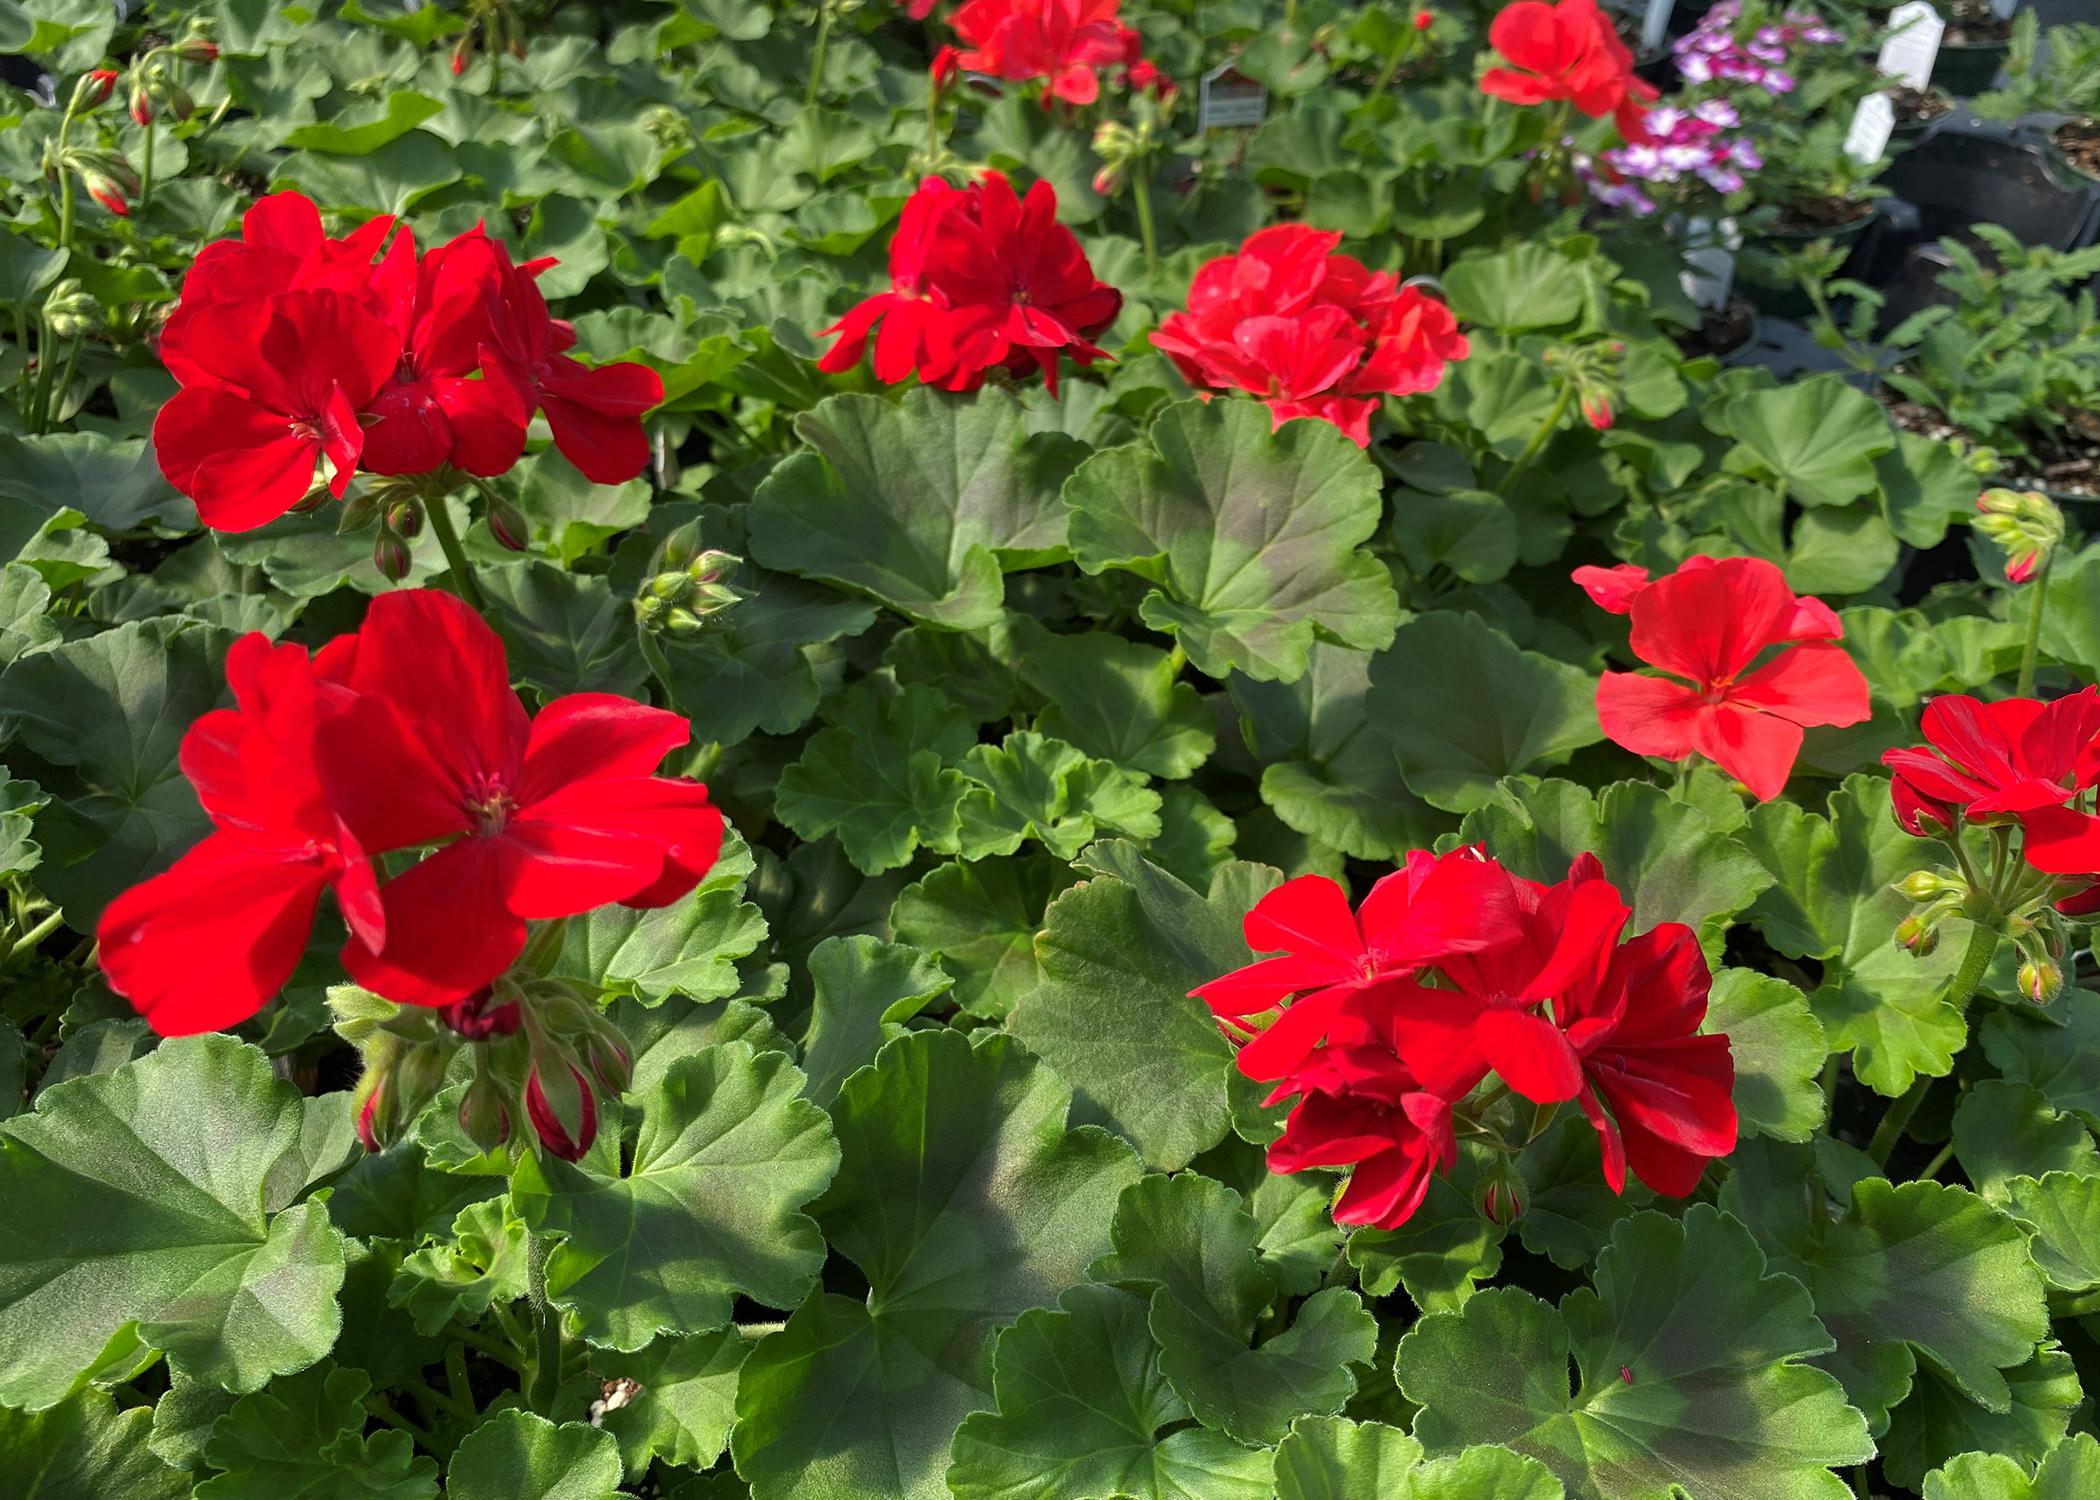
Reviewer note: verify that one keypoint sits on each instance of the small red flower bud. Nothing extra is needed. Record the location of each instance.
(476, 1019)
(1596, 410)
(947, 64)
(97, 87)
(552, 1133)
(1424, 19)
(508, 526)
(1626, 1373)
(368, 1119)
(458, 61)
(2022, 569)
(1918, 815)
(106, 193)
(390, 555)
(197, 49)
(141, 107)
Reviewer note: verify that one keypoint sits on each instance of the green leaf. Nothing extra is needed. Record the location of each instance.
(484, 1263)
(1471, 532)
(980, 921)
(1540, 712)
(920, 503)
(83, 1448)
(364, 128)
(2002, 1130)
(515, 1455)
(1081, 1405)
(566, 632)
(1818, 437)
(1191, 1244)
(116, 483)
(162, 1199)
(1572, 1213)
(303, 1439)
(1035, 787)
(707, 1208)
(1937, 1422)
(2061, 1213)
(2069, 1471)
(1326, 769)
(689, 948)
(864, 992)
(1251, 539)
(1445, 1248)
(1525, 287)
(1921, 1269)
(1778, 1046)
(25, 618)
(964, 1200)
(1331, 1458)
(106, 714)
(881, 777)
(1687, 1355)
(1119, 955)
(1666, 857)
(1115, 699)
(686, 1403)
(1831, 900)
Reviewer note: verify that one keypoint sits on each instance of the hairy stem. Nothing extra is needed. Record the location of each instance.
(2030, 650)
(1141, 197)
(464, 582)
(1543, 436)
(546, 1361)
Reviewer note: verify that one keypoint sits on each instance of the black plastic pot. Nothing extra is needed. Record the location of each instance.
(1789, 301)
(1966, 72)
(1958, 177)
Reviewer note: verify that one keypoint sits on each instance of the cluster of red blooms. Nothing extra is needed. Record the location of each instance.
(1382, 1020)
(291, 347)
(2017, 760)
(1065, 43)
(1710, 624)
(1311, 331)
(1570, 52)
(405, 735)
(979, 280)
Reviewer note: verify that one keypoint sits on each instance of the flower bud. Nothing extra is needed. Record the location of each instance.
(460, 52)
(1424, 19)
(508, 526)
(2040, 980)
(1502, 1200)
(373, 1125)
(1108, 181)
(106, 192)
(71, 309)
(481, 1015)
(1923, 885)
(1596, 409)
(390, 555)
(197, 49)
(93, 88)
(571, 1101)
(141, 106)
(1917, 814)
(610, 1059)
(179, 102)
(406, 517)
(360, 509)
(483, 1113)
(2025, 524)
(947, 66)
(1917, 935)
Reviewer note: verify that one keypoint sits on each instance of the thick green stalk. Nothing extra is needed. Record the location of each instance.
(146, 167)
(546, 1359)
(463, 581)
(2030, 652)
(1543, 436)
(1141, 196)
(816, 61)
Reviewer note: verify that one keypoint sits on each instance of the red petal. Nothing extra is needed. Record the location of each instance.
(596, 734)
(448, 931)
(1816, 684)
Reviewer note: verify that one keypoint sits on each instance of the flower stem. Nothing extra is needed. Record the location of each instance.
(463, 581)
(146, 167)
(546, 1360)
(816, 60)
(57, 396)
(1543, 436)
(1975, 961)
(1141, 197)
(2030, 652)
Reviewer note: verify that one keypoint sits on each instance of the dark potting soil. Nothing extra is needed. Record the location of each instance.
(1970, 23)
(1722, 332)
(1820, 213)
(1919, 106)
(2068, 463)
(2079, 140)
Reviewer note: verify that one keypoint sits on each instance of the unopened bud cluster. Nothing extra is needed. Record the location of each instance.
(2026, 524)
(688, 585)
(1594, 372)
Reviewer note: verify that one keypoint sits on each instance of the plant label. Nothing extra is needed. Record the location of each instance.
(1230, 98)
(1872, 125)
(1709, 259)
(1654, 22)
(1915, 30)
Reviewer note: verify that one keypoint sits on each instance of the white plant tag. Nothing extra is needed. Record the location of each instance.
(1872, 125)
(1709, 272)
(1915, 30)
(1229, 98)
(1655, 23)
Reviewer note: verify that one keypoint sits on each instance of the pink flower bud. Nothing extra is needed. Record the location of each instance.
(553, 1134)
(97, 86)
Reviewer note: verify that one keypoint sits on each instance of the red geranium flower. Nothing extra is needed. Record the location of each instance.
(206, 943)
(1061, 42)
(1709, 622)
(1313, 332)
(548, 817)
(979, 279)
(1432, 908)
(1359, 1108)
(270, 388)
(2017, 755)
(1568, 50)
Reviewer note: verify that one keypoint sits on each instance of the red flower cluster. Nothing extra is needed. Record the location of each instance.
(979, 279)
(291, 347)
(1568, 51)
(1382, 1020)
(1709, 623)
(1062, 42)
(403, 735)
(1313, 332)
